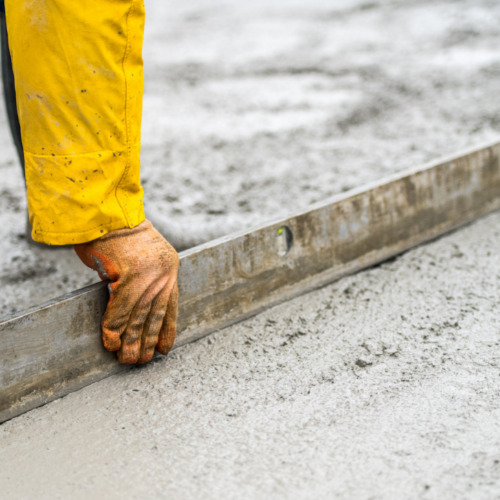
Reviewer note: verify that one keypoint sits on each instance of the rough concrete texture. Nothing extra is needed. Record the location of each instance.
(257, 108)
(383, 385)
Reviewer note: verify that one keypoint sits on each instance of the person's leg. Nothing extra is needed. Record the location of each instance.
(9, 91)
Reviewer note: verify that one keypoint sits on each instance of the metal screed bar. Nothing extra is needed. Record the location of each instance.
(55, 349)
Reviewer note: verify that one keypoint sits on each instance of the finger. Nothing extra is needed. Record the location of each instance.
(131, 338)
(121, 303)
(153, 325)
(117, 312)
(130, 348)
(169, 326)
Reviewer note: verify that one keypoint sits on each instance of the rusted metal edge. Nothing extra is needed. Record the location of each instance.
(54, 349)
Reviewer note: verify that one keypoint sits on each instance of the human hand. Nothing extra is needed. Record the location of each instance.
(142, 309)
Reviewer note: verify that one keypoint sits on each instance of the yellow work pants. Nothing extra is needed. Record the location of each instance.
(79, 83)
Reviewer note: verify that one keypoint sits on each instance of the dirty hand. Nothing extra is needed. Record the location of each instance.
(142, 309)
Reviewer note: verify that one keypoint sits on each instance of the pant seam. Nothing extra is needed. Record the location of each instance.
(127, 121)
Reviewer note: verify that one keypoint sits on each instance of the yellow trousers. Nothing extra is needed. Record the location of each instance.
(79, 83)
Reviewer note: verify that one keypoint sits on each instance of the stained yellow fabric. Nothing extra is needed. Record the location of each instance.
(79, 83)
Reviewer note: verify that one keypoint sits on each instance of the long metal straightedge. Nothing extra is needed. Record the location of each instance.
(49, 351)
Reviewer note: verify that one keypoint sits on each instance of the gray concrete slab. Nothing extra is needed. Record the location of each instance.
(384, 385)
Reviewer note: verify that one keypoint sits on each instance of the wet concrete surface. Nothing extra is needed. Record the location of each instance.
(383, 385)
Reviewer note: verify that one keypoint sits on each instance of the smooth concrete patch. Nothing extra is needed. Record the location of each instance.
(383, 385)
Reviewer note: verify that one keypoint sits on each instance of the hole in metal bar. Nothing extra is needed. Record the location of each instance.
(284, 240)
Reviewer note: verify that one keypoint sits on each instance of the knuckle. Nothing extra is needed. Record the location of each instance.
(128, 356)
(136, 324)
(114, 322)
(157, 319)
(131, 339)
(152, 336)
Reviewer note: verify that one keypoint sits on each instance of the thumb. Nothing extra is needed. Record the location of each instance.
(97, 261)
